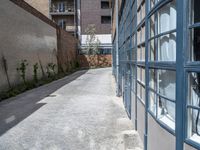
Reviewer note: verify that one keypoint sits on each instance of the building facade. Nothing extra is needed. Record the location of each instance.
(98, 13)
(76, 15)
(63, 12)
(156, 65)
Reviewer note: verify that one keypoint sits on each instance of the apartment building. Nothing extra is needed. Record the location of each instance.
(97, 12)
(63, 12)
(156, 65)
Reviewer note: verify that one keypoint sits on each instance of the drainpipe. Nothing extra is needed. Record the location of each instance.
(117, 46)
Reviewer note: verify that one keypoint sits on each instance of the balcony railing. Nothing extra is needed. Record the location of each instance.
(60, 8)
(70, 28)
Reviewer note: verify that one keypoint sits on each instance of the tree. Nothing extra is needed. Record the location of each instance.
(92, 42)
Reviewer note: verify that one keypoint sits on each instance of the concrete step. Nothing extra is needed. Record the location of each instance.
(131, 140)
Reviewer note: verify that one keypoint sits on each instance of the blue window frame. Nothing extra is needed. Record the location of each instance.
(192, 76)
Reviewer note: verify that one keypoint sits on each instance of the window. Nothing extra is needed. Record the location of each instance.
(62, 24)
(105, 5)
(141, 83)
(194, 106)
(105, 19)
(162, 91)
(105, 51)
(163, 26)
(153, 3)
(61, 7)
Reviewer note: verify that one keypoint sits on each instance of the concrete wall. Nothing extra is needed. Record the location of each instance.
(24, 36)
(133, 110)
(141, 119)
(159, 138)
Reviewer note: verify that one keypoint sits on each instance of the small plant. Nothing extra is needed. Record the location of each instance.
(51, 69)
(35, 72)
(22, 69)
(77, 65)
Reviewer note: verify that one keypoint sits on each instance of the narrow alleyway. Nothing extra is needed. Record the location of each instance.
(78, 112)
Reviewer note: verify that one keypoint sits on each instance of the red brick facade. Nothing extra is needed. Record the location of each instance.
(67, 50)
(87, 61)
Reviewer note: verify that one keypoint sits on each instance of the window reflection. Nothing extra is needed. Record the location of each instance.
(195, 44)
(194, 113)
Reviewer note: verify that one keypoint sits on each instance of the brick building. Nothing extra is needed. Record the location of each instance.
(75, 15)
(63, 12)
(97, 12)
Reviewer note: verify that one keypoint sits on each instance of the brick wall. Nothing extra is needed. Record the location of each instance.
(91, 13)
(87, 61)
(67, 50)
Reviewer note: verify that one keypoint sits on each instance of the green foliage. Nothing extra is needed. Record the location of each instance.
(77, 65)
(92, 42)
(51, 70)
(35, 72)
(22, 69)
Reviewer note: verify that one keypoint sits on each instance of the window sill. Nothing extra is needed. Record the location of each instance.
(195, 138)
(166, 120)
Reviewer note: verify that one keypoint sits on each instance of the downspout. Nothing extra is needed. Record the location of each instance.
(117, 47)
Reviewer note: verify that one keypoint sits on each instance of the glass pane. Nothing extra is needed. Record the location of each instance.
(152, 81)
(194, 89)
(195, 44)
(143, 53)
(143, 75)
(143, 34)
(138, 90)
(139, 54)
(167, 83)
(194, 100)
(152, 51)
(166, 112)
(153, 3)
(167, 18)
(194, 11)
(194, 125)
(152, 102)
(152, 26)
(134, 54)
(167, 47)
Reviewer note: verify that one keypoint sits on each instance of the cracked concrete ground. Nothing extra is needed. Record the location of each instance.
(78, 112)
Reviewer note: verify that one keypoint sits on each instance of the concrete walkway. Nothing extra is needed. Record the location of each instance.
(78, 112)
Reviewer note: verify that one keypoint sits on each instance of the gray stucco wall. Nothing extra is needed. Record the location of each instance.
(133, 111)
(159, 138)
(141, 119)
(24, 36)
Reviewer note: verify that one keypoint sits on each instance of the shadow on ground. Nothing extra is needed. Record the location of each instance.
(16, 109)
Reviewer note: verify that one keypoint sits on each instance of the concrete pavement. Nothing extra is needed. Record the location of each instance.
(78, 112)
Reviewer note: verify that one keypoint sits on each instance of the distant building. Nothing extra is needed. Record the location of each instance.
(63, 12)
(97, 12)
(75, 15)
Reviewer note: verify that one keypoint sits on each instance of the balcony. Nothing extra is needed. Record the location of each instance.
(62, 9)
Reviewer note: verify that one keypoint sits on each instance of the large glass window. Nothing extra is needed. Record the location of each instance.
(194, 106)
(194, 19)
(141, 83)
(162, 43)
(162, 85)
